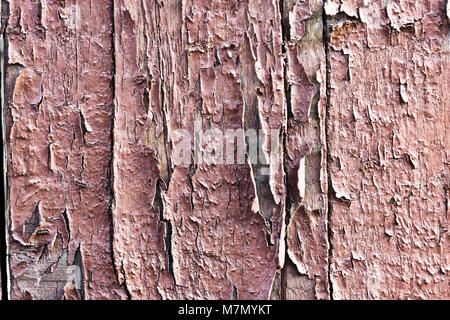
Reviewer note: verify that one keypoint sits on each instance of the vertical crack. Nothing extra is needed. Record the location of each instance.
(158, 206)
(78, 261)
(110, 173)
(3, 217)
(234, 294)
(285, 36)
(166, 171)
(168, 242)
(327, 140)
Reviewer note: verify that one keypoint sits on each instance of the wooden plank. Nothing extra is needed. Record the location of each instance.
(59, 110)
(388, 144)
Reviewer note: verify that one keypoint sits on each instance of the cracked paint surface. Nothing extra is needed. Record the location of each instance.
(354, 205)
(58, 127)
(305, 159)
(388, 130)
(209, 231)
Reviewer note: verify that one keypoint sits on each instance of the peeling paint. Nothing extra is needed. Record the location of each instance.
(58, 113)
(349, 199)
(387, 152)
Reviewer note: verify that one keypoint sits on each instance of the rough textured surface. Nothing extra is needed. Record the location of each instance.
(388, 148)
(307, 238)
(58, 127)
(140, 230)
(353, 205)
(209, 231)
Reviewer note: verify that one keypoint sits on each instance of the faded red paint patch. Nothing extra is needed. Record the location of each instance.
(388, 162)
(58, 117)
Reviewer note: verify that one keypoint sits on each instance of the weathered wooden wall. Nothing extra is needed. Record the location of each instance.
(355, 204)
